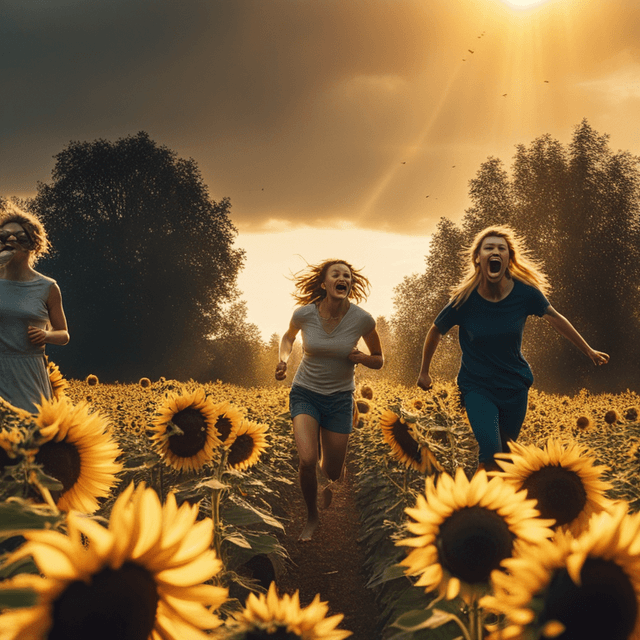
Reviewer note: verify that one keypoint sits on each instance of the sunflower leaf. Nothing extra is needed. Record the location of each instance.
(213, 483)
(17, 598)
(15, 517)
(392, 572)
(243, 513)
(239, 540)
(413, 620)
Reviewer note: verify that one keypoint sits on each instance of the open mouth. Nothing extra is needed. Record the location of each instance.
(494, 266)
(342, 288)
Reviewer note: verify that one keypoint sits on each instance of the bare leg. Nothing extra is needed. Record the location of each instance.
(305, 430)
(334, 452)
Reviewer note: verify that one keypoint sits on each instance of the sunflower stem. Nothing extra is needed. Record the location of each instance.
(475, 621)
(216, 495)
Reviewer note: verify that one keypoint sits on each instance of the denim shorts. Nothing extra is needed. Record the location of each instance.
(333, 412)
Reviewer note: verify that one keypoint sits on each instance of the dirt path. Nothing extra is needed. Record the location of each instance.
(331, 564)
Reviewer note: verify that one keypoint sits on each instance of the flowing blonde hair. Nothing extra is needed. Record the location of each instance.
(9, 212)
(521, 266)
(308, 283)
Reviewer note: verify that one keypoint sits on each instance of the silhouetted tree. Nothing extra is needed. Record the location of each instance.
(236, 350)
(144, 258)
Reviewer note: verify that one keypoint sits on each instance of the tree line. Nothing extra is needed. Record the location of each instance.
(148, 270)
(576, 207)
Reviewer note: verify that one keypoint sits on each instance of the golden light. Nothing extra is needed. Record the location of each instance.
(523, 4)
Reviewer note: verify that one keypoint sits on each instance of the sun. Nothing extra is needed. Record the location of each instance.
(524, 4)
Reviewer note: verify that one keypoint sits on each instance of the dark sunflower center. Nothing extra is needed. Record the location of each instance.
(405, 440)
(223, 425)
(472, 543)
(60, 460)
(241, 449)
(116, 604)
(280, 633)
(604, 606)
(559, 492)
(194, 428)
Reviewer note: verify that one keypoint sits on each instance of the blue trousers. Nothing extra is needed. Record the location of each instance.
(496, 417)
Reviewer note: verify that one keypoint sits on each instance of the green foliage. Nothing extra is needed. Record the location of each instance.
(144, 257)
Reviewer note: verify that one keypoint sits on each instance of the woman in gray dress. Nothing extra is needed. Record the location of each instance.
(321, 397)
(31, 313)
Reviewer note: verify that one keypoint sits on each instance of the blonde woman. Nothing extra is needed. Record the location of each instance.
(321, 397)
(501, 288)
(31, 313)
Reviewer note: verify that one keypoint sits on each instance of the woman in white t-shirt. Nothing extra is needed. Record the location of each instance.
(321, 397)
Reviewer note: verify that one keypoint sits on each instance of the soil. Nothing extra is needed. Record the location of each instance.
(331, 563)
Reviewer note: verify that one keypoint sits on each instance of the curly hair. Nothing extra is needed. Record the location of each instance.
(9, 212)
(521, 266)
(308, 283)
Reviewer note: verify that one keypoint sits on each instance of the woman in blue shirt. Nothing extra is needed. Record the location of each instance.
(501, 288)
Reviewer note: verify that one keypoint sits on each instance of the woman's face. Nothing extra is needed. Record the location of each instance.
(337, 281)
(493, 258)
(14, 239)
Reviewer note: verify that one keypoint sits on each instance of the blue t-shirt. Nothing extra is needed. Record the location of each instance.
(490, 337)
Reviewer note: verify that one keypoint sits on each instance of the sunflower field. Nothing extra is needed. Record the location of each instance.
(157, 510)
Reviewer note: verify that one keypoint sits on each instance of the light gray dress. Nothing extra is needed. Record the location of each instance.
(23, 373)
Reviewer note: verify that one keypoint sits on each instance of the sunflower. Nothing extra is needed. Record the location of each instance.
(561, 477)
(464, 530)
(587, 587)
(246, 445)
(268, 616)
(58, 383)
(140, 578)
(526, 577)
(75, 448)
(185, 430)
(398, 434)
(227, 419)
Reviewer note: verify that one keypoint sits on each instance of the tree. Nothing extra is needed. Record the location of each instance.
(143, 256)
(419, 299)
(235, 352)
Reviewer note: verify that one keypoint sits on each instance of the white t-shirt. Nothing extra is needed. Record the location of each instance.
(325, 366)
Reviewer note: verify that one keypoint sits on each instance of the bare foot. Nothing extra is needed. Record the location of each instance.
(309, 528)
(327, 497)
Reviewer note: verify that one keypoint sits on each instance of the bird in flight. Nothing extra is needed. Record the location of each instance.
(504, 94)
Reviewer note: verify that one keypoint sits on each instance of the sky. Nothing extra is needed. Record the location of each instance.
(329, 124)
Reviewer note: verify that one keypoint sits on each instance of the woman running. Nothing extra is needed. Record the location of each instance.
(321, 397)
(501, 288)
(31, 313)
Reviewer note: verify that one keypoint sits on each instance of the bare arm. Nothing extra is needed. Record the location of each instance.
(286, 345)
(430, 345)
(567, 330)
(374, 359)
(58, 333)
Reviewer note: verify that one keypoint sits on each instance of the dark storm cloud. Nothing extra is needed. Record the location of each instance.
(299, 110)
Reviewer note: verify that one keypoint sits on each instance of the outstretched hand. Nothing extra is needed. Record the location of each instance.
(598, 357)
